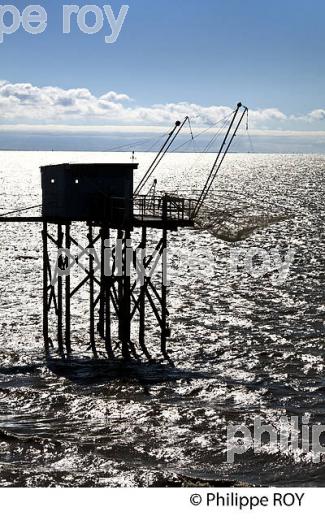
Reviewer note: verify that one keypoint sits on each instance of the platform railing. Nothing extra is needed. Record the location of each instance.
(167, 206)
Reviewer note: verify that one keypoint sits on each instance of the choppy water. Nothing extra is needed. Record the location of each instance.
(260, 339)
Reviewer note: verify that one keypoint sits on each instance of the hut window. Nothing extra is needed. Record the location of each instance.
(76, 181)
(52, 181)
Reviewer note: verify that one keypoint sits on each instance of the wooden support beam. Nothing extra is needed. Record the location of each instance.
(142, 297)
(68, 296)
(164, 288)
(91, 296)
(45, 291)
(107, 301)
(60, 294)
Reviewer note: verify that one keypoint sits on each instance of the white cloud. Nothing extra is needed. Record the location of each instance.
(113, 96)
(314, 116)
(27, 104)
(267, 114)
(24, 102)
(317, 115)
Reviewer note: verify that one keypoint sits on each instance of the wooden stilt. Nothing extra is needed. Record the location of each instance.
(101, 320)
(45, 291)
(164, 328)
(107, 300)
(61, 266)
(68, 296)
(91, 296)
(142, 302)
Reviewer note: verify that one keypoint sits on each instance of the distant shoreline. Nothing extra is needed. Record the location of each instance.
(46, 150)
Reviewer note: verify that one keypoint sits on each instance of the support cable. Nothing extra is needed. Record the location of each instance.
(223, 120)
(20, 210)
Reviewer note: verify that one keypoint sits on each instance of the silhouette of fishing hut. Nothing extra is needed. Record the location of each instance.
(125, 276)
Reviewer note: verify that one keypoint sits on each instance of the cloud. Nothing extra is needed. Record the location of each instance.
(54, 107)
(314, 116)
(267, 114)
(317, 115)
(114, 96)
(24, 102)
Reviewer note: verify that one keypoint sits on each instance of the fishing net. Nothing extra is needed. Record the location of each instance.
(232, 219)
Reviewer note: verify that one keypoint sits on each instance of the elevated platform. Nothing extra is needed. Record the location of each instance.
(161, 212)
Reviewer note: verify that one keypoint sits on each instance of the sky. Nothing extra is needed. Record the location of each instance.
(171, 58)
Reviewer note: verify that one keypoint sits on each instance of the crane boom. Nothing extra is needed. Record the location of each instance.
(224, 148)
(163, 150)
